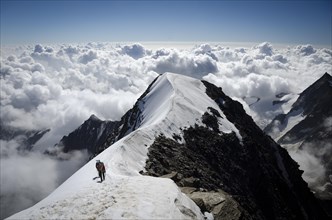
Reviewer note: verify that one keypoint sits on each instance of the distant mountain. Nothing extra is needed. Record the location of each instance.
(25, 138)
(190, 131)
(96, 135)
(90, 136)
(307, 127)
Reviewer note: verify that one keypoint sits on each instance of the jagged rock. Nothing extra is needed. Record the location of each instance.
(228, 210)
(96, 135)
(211, 199)
(259, 176)
(190, 182)
(314, 104)
(188, 190)
(173, 175)
(312, 133)
(90, 136)
(220, 204)
(200, 203)
(25, 138)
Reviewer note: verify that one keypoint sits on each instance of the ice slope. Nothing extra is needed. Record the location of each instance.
(174, 101)
(291, 119)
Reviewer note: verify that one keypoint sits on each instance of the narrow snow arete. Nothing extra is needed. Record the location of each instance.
(172, 104)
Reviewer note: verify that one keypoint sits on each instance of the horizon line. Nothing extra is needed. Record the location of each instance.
(174, 43)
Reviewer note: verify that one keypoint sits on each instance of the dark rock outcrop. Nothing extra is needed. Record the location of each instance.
(96, 135)
(313, 134)
(219, 203)
(90, 135)
(314, 104)
(256, 172)
(25, 138)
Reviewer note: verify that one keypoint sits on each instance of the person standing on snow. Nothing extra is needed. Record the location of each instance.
(101, 170)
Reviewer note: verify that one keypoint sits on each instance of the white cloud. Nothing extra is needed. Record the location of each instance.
(305, 50)
(87, 57)
(60, 86)
(328, 124)
(28, 177)
(182, 62)
(315, 160)
(263, 71)
(43, 80)
(135, 51)
(314, 170)
(263, 49)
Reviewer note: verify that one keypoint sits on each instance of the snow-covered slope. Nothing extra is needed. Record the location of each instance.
(186, 102)
(305, 131)
(89, 136)
(307, 114)
(207, 131)
(173, 102)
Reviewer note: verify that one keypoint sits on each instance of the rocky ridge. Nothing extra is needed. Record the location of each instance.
(255, 172)
(311, 133)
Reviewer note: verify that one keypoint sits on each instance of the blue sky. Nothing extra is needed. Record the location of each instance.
(59, 21)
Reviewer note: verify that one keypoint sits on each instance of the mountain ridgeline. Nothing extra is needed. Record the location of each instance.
(96, 135)
(312, 131)
(256, 171)
(314, 104)
(25, 138)
(256, 175)
(90, 136)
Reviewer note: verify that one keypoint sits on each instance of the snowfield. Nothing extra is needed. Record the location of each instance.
(173, 102)
(292, 119)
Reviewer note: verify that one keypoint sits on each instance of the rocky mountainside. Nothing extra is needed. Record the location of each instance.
(257, 173)
(26, 139)
(307, 128)
(309, 112)
(90, 135)
(96, 135)
(190, 131)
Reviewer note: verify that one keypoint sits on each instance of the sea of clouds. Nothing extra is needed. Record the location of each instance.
(58, 87)
(314, 159)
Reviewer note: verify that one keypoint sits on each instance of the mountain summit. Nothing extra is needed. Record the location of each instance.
(190, 131)
(306, 130)
(305, 120)
(90, 135)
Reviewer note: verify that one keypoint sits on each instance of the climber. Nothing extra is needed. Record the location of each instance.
(101, 170)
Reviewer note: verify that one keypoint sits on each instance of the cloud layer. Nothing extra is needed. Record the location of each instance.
(315, 160)
(62, 85)
(28, 177)
(58, 87)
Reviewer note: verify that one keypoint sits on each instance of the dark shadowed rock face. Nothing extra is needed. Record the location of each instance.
(128, 123)
(314, 103)
(256, 172)
(96, 135)
(313, 134)
(220, 204)
(25, 138)
(90, 135)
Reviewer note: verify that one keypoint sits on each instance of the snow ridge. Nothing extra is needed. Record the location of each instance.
(174, 101)
(183, 103)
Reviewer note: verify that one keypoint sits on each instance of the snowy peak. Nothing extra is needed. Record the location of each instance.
(247, 165)
(306, 130)
(26, 139)
(310, 109)
(93, 118)
(316, 95)
(177, 101)
(200, 133)
(170, 103)
(90, 136)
